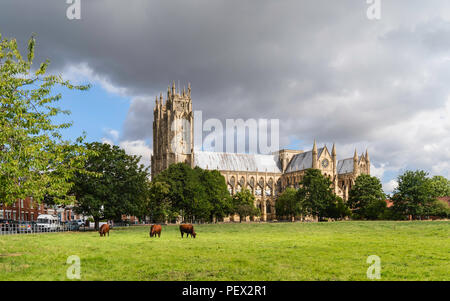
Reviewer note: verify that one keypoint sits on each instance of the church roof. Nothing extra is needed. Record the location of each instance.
(302, 161)
(345, 166)
(237, 162)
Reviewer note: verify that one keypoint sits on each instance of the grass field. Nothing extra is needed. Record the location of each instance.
(272, 251)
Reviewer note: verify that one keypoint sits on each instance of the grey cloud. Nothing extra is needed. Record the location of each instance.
(320, 66)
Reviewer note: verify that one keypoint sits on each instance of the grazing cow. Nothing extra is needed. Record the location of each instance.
(104, 229)
(155, 229)
(188, 229)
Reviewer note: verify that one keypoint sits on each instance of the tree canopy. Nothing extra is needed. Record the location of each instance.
(287, 204)
(34, 158)
(117, 184)
(441, 186)
(415, 195)
(367, 198)
(194, 193)
(316, 196)
(244, 204)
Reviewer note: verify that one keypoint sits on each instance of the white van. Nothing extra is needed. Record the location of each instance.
(47, 223)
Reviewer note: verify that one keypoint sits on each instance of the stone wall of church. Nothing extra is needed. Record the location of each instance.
(263, 185)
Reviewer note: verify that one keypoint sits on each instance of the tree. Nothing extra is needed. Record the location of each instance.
(196, 194)
(315, 194)
(159, 206)
(441, 186)
(367, 198)
(217, 194)
(414, 195)
(337, 209)
(118, 184)
(244, 204)
(439, 209)
(34, 159)
(288, 204)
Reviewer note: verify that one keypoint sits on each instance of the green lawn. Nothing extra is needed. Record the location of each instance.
(272, 251)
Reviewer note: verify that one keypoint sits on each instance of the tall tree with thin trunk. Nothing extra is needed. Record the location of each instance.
(35, 160)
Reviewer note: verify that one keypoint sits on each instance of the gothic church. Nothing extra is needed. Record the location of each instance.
(265, 176)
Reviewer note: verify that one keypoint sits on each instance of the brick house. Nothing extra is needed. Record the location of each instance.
(29, 210)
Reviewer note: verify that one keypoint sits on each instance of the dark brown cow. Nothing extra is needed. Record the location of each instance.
(188, 229)
(155, 229)
(103, 230)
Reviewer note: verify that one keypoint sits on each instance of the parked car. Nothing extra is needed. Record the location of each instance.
(73, 226)
(25, 227)
(48, 223)
(8, 226)
(80, 222)
(4, 225)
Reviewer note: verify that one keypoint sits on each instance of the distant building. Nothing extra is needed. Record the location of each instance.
(445, 199)
(28, 210)
(264, 175)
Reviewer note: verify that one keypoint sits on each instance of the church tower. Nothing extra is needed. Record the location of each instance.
(173, 130)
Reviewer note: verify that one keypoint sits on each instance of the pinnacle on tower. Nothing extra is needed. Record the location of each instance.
(367, 155)
(173, 88)
(315, 164)
(333, 151)
(355, 156)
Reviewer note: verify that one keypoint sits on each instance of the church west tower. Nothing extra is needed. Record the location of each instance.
(173, 124)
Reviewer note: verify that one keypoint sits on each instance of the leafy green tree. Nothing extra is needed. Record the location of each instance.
(159, 205)
(287, 204)
(244, 204)
(217, 194)
(441, 186)
(337, 209)
(34, 158)
(439, 209)
(367, 198)
(414, 195)
(315, 194)
(196, 194)
(117, 185)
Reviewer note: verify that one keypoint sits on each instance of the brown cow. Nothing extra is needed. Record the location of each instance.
(155, 229)
(188, 229)
(103, 230)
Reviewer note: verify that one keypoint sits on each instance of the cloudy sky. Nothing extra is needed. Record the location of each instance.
(322, 67)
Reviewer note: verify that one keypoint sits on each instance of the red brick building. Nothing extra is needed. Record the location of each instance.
(29, 210)
(445, 199)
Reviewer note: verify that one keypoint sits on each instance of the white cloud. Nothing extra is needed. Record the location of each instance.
(79, 73)
(107, 141)
(113, 134)
(377, 171)
(138, 148)
(390, 186)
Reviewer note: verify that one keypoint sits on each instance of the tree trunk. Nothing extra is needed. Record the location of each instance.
(96, 223)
